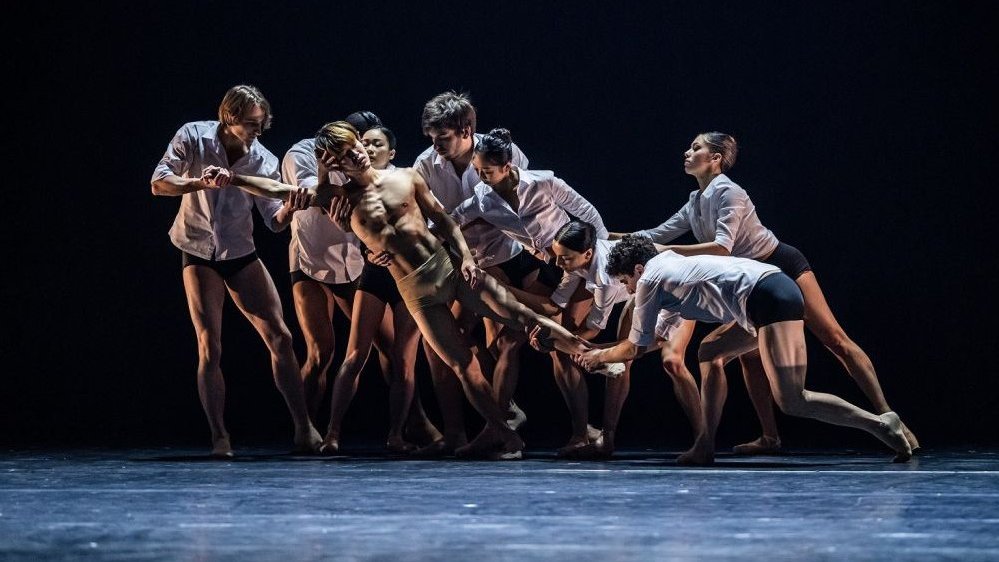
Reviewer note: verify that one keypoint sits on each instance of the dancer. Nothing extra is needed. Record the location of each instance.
(378, 298)
(449, 120)
(214, 231)
(749, 298)
(528, 206)
(724, 221)
(582, 255)
(386, 210)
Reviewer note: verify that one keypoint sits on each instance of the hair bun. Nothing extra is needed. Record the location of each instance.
(501, 134)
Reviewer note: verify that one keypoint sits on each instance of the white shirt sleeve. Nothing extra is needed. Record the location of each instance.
(300, 167)
(176, 160)
(732, 208)
(643, 322)
(667, 323)
(570, 201)
(566, 288)
(467, 211)
(268, 207)
(600, 311)
(673, 228)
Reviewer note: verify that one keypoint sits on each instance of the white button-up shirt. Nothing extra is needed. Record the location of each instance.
(702, 288)
(319, 248)
(489, 245)
(545, 205)
(723, 214)
(606, 291)
(216, 224)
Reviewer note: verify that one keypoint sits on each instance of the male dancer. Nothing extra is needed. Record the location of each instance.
(388, 211)
(760, 299)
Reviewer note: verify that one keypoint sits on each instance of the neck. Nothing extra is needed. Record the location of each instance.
(703, 181)
(229, 140)
(510, 182)
(364, 178)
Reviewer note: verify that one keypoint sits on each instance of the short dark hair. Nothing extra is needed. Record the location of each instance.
(632, 250)
(450, 110)
(577, 235)
(496, 147)
(363, 121)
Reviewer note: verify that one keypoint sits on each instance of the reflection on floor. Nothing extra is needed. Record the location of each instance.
(176, 504)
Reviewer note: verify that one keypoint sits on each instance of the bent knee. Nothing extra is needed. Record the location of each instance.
(792, 403)
(673, 365)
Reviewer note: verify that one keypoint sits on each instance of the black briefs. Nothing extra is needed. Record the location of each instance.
(342, 290)
(225, 268)
(376, 280)
(789, 259)
(523, 264)
(775, 298)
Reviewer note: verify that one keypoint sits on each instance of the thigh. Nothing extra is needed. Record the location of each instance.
(205, 292)
(407, 334)
(313, 307)
(818, 316)
(727, 342)
(440, 331)
(676, 346)
(491, 300)
(254, 293)
(365, 319)
(782, 349)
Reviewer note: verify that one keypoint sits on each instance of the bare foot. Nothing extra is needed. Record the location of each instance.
(423, 434)
(911, 438)
(592, 433)
(515, 416)
(439, 448)
(221, 449)
(764, 445)
(330, 446)
(600, 448)
(566, 451)
(698, 455)
(489, 441)
(308, 443)
(891, 434)
(396, 445)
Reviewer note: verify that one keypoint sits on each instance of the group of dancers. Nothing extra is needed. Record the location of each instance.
(482, 256)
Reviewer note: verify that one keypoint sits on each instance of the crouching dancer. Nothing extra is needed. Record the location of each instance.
(388, 211)
(748, 298)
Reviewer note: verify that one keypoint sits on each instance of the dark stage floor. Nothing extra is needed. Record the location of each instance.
(266, 505)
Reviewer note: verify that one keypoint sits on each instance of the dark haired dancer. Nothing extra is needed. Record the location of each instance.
(386, 210)
(529, 206)
(760, 308)
(214, 231)
(723, 219)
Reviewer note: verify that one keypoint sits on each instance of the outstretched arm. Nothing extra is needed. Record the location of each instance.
(446, 229)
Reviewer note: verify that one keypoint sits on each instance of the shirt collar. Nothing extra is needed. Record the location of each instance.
(713, 185)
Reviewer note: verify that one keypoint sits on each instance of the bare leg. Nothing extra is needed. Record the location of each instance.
(440, 330)
(821, 322)
(403, 384)
(569, 378)
(617, 391)
(255, 295)
(717, 349)
(684, 387)
(314, 308)
(364, 322)
(205, 297)
(507, 370)
(782, 348)
(762, 398)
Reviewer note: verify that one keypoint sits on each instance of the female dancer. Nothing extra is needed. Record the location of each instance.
(723, 219)
(529, 206)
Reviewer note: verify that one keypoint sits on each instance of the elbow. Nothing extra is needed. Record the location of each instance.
(157, 188)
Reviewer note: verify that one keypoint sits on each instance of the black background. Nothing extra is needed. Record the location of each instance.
(867, 133)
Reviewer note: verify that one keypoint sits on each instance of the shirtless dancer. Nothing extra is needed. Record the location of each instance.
(388, 211)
